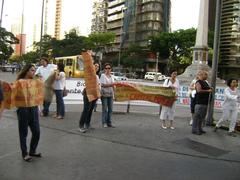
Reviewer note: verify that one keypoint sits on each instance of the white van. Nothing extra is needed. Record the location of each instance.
(152, 75)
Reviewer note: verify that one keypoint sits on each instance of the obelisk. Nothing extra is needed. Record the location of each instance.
(200, 50)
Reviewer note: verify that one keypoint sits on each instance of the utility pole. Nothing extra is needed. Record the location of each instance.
(215, 60)
(41, 33)
(22, 25)
(1, 13)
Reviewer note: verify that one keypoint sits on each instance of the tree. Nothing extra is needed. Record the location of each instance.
(177, 46)
(133, 57)
(7, 39)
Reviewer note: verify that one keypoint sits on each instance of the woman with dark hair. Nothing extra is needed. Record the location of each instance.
(230, 106)
(167, 113)
(58, 86)
(107, 93)
(85, 119)
(28, 116)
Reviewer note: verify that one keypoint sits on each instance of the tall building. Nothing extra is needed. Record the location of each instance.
(99, 16)
(229, 64)
(21, 46)
(134, 21)
(58, 14)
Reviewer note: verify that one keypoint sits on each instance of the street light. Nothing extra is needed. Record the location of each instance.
(41, 33)
(1, 13)
(120, 40)
(215, 60)
(156, 76)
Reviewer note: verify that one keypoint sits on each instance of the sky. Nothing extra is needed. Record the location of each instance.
(78, 13)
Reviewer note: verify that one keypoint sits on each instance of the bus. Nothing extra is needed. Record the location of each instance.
(74, 67)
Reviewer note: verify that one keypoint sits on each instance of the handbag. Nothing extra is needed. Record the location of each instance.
(65, 92)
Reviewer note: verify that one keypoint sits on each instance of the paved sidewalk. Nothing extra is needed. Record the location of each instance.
(137, 149)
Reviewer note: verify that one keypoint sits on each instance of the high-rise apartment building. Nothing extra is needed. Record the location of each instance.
(99, 16)
(58, 14)
(229, 64)
(134, 21)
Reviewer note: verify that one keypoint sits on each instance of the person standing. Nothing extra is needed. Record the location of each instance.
(167, 113)
(44, 71)
(192, 93)
(230, 106)
(85, 119)
(1, 100)
(28, 116)
(58, 86)
(203, 91)
(107, 94)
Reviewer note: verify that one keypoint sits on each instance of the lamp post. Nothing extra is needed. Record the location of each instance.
(209, 118)
(156, 70)
(1, 13)
(41, 33)
(120, 37)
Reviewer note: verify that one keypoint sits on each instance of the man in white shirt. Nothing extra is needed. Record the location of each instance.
(44, 71)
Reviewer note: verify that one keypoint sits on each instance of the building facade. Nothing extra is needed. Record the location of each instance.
(99, 16)
(229, 64)
(134, 21)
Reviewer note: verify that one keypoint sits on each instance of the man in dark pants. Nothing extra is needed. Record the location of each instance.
(202, 96)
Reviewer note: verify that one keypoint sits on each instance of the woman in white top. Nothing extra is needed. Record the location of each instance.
(107, 93)
(167, 113)
(230, 106)
(58, 86)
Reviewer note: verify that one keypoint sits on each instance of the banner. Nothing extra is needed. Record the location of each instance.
(92, 87)
(156, 94)
(23, 93)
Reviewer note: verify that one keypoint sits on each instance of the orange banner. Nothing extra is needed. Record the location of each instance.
(130, 91)
(91, 83)
(23, 93)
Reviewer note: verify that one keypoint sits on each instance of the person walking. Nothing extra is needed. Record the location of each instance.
(230, 106)
(44, 71)
(203, 91)
(28, 116)
(167, 113)
(107, 94)
(85, 119)
(58, 86)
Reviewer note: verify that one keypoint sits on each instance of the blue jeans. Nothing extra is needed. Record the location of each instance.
(87, 112)
(107, 104)
(60, 103)
(28, 116)
(45, 110)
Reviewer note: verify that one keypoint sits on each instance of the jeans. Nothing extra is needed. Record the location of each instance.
(28, 116)
(45, 110)
(107, 104)
(60, 103)
(87, 112)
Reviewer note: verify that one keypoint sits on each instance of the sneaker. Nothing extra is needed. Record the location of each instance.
(232, 134)
(82, 130)
(105, 125)
(110, 125)
(190, 123)
(172, 127)
(164, 126)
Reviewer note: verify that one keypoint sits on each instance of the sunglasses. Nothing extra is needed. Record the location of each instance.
(107, 68)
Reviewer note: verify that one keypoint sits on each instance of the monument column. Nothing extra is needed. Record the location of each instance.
(200, 50)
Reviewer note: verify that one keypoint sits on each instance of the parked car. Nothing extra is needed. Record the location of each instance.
(118, 76)
(152, 76)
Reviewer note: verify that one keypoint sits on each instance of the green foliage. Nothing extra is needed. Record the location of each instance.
(177, 46)
(133, 57)
(7, 39)
(98, 41)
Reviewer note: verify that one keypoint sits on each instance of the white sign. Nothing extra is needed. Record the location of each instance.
(75, 88)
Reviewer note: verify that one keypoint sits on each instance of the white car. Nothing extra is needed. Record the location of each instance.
(152, 76)
(118, 76)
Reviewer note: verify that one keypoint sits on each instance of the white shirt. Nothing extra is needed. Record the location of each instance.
(107, 80)
(231, 99)
(45, 72)
(59, 84)
(175, 85)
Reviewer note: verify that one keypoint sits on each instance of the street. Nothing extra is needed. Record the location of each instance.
(137, 149)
